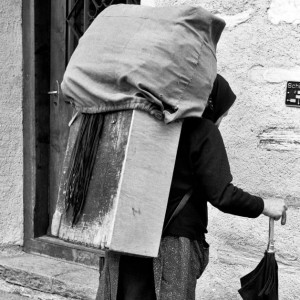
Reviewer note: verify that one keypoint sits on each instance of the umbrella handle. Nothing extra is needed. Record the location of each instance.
(271, 248)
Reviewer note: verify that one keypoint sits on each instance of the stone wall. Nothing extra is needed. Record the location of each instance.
(257, 53)
(11, 144)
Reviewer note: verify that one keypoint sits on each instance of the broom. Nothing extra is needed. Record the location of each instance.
(82, 162)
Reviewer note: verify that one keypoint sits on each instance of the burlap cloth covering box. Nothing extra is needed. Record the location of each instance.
(158, 59)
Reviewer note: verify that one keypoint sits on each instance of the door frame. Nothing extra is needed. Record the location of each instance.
(36, 124)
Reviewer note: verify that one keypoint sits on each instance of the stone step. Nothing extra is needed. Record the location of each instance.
(51, 276)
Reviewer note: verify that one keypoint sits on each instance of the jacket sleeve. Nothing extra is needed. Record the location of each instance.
(212, 173)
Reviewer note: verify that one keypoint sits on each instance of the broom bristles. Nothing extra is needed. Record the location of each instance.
(82, 162)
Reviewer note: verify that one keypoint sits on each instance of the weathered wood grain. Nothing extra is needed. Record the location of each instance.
(129, 189)
(144, 187)
(97, 213)
(60, 204)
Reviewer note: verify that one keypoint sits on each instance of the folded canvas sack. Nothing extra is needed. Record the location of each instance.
(158, 59)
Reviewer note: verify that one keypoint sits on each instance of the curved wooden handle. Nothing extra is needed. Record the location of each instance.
(271, 248)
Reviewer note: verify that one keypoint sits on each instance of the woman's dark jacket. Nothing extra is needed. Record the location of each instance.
(202, 164)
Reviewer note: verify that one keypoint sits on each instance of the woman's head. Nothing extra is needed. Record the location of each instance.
(220, 100)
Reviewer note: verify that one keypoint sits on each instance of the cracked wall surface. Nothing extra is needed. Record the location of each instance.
(258, 53)
(11, 145)
(284, 11)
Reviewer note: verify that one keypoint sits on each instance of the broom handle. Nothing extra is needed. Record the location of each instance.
(271, 248)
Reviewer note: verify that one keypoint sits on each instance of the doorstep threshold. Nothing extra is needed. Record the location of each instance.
(49, 275)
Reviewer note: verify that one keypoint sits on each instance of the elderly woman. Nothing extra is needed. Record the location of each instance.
(202, 174)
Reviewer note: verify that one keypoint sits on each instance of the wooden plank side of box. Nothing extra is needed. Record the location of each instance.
(60, 204)
(144, 186)
(95, 222)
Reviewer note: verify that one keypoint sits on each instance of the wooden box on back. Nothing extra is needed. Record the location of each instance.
(129, 188)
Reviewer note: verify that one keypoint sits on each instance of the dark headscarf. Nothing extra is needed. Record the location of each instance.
(220, 99)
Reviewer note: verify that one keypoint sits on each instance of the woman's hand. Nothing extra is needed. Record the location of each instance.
(275, 208)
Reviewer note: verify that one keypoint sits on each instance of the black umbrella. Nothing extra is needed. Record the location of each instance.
(262, 282)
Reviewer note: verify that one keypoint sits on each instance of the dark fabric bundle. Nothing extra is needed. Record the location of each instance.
(82, 163)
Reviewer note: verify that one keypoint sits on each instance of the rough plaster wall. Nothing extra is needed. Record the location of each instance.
(11, 155)
(258, 52)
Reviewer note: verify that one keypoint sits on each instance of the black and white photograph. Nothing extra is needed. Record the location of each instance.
(150, 150)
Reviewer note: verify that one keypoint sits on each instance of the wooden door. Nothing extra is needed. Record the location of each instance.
(69, 20)
(60, 111)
